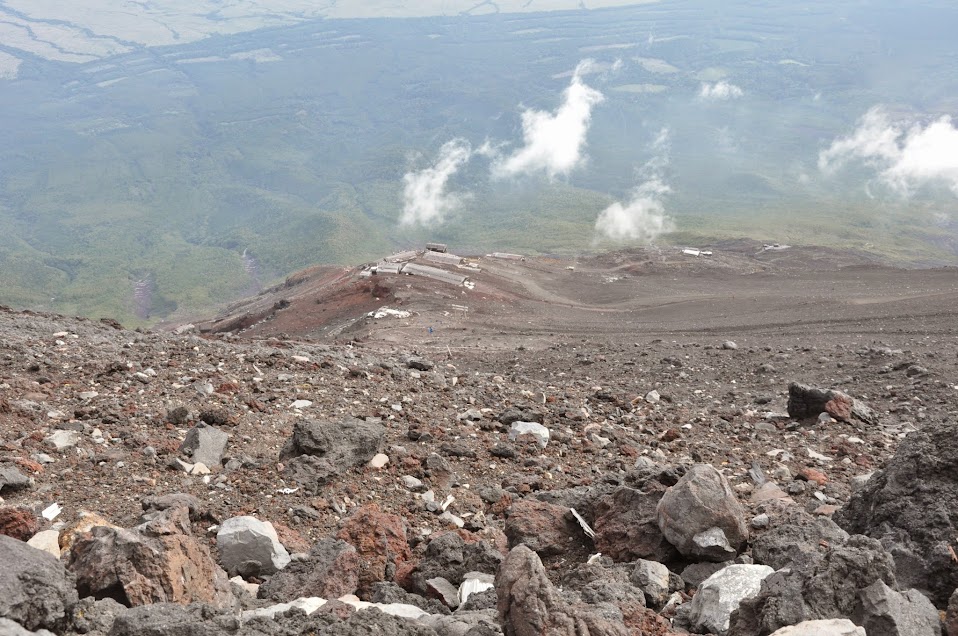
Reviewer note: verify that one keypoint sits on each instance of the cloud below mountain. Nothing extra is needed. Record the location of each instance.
(425, 197)
(906, 157)
(643, 217)
(554, 142)
(720, 91)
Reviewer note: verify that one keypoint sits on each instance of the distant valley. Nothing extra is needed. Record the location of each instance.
(145, 176)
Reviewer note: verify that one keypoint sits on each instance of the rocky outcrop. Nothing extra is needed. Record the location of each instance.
(35, 589)
(792, 534)
(157, 562)
(822, 587)
(701, 517)
(910, 507)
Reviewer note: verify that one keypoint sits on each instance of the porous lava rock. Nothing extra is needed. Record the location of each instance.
(380, 541)
(35, 589)
(910, 506)
(330, 571)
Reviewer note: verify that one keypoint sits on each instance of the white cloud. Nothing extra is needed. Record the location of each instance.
(554, 142)
(643, 218)
(425, 200)
(720, 91)
(905, 158)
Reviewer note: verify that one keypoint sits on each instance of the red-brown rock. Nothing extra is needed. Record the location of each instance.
(542, 527)
(18, 523)
(380, 540)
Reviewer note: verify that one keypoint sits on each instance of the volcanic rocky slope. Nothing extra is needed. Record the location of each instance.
(739, 473)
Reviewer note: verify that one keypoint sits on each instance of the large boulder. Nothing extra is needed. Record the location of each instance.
(701, 517)
(250, 547)
(885, 612)
(818, 587)
(545, 528)
(529, 605)
(321, 450)
(157, 562)
(807, 402)
(626, 526)
(380, 540)
(910, 507)
(330, 571)
(35, 589)
(205, 444)
(720, 594)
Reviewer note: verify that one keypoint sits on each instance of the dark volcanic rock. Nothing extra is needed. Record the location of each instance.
(626, 526)
(35, 590)
(12, 479)
(701, 517)
(168, 619)
(320, 450)
(451, 557)
(912, 508)
(883, 611)
(826, 586)
(792, 533)
(331, 571)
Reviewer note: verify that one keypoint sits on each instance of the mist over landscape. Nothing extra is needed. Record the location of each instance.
(164, 159)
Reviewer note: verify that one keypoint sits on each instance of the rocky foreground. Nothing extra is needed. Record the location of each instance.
(173, 485)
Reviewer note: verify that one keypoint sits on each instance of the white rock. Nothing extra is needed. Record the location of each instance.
(720, 594)
(250, 547)
(830, 627)
(301, 404)
(474, 582)
(411, 482)
(63, 440)
(250, 588)
(48, 541)
(51, 512)
(311, 604)
(379, 461)
(199, 468)
(87, 395)
(652, 397)
(538, 431)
